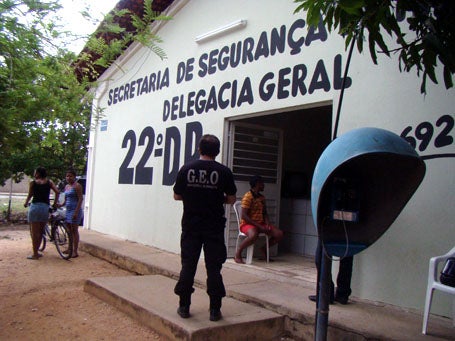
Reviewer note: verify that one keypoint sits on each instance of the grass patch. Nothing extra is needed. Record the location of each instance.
(17, 205)
(18, 211)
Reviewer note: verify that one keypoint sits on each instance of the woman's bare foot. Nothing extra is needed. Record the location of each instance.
(238, 260)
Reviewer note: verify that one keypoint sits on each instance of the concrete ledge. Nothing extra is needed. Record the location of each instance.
(359, 320)
(150, 300)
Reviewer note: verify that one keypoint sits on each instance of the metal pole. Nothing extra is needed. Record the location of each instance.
(343, 84)
(322, 310)
(8, 214)
(318, 260)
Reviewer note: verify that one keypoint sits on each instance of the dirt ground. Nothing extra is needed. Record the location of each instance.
(44, 299)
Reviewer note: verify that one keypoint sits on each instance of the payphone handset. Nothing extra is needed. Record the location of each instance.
(345, 200)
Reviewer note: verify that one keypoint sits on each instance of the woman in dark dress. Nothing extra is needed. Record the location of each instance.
(38, 212)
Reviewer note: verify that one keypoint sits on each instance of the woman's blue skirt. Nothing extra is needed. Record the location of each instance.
(38, 212)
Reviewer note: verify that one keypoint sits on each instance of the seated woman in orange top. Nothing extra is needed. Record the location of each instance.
(254, 219)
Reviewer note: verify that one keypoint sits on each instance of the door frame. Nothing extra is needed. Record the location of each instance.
(272, 193)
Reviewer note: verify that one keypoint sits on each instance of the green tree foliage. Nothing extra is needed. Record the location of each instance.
(45, 106)
(30, 89)
(111, 39)
(424, 38)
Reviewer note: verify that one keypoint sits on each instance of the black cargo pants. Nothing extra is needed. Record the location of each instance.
(191, 243)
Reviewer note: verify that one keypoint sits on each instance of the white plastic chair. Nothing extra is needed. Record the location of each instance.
(250, 249)
(435, 284)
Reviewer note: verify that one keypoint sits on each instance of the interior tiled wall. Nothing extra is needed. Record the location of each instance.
(296, 221)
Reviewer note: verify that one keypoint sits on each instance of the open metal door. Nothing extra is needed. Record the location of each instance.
(254, 150)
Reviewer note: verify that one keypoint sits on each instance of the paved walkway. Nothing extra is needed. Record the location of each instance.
(281, 287)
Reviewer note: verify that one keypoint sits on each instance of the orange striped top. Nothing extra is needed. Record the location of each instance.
(254, 207)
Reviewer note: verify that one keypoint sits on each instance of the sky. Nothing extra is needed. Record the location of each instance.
(75, 22)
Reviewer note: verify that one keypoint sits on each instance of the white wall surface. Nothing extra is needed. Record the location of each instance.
(394, 269)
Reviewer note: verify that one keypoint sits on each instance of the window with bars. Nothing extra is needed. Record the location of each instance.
(255, 152)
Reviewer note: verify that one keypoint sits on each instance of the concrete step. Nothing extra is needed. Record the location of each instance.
(151, 301)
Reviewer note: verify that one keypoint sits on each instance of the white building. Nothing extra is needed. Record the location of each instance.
(269, 88)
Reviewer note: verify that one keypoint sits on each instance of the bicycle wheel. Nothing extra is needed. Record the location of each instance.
(63, 239)
(42, 245)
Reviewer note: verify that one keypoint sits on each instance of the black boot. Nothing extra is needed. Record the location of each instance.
(184, 311)
(184, 306)
(215, 315)
(215, 306)
(314, 298)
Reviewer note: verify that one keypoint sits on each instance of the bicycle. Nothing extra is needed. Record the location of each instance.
(58, 233)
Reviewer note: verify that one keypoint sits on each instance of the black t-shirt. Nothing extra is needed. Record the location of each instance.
(203, 185)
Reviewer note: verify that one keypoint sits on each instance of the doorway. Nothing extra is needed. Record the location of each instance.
(284, 148)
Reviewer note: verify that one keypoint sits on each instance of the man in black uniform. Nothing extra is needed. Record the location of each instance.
(204, 186)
